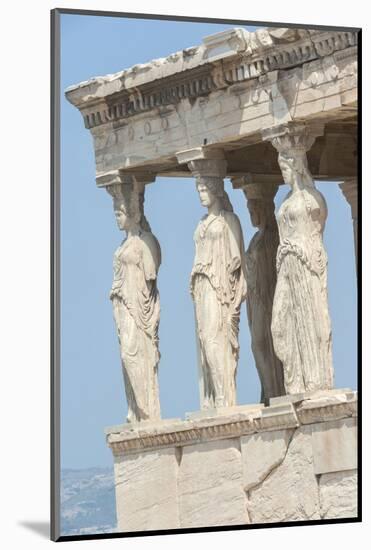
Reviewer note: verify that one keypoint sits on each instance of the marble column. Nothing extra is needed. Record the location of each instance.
(134, 294)
(350, 191)
(261, 283)
(218, 279)
(301, 327)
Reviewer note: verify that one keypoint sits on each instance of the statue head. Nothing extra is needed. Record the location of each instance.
(123, 214)
(261, 212)
(128, 204)
(260, 203)
(294, 168)
(211, 190)
(256, 211)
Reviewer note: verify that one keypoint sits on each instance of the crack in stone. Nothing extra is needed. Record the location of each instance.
(321, 513)
(274, 467)
(179, 454)
(270, 472)
(247, 511)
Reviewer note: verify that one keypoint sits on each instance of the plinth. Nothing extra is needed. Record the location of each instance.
(293, 460)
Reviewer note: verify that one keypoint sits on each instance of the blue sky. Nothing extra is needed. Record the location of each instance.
(92, 390)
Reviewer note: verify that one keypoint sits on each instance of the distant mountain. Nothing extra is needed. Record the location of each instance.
(87, 501)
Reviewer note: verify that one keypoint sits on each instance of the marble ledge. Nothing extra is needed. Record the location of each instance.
(232, 422)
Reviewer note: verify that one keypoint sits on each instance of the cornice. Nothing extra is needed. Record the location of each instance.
(223, 60)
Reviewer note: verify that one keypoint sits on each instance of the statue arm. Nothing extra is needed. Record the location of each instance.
(151, 257)
(236, 243)
(237, 262)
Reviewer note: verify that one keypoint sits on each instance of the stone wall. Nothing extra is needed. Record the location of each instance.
(293, 460)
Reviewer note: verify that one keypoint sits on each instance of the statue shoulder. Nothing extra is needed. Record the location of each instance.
(151, 246)
(232, 221)
(231, 216)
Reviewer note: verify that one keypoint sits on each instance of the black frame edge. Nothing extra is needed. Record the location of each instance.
(191, 530)
(55, 274)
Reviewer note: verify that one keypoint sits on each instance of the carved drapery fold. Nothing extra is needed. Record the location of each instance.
(261, 283)
(301, 327)
(134, 295)
(218, 280)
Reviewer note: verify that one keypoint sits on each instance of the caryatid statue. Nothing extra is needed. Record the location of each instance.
(261, 284)
(301, 327)
(135, 300)
(218, 285)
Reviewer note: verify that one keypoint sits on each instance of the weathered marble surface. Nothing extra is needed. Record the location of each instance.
(290, 492)
(210, 487)
(261, 284)
(338, 494)
(218, 282)
(258, 465)
(135, 300)
(146, 490)
(249, 465)
(301, 327)
(223, 91)
(335, 445)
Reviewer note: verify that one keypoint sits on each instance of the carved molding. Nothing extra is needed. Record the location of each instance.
(328, 408)
(126, 439)
(223, 60)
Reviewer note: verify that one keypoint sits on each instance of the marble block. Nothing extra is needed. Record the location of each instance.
(210, 488)
(146, 490)
(261, 453)
(338, 494)
(250, 464)
(290, 491)
(335, 446)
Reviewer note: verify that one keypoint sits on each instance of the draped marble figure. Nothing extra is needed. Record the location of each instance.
(218, 287)
(261, 284)
(301, 327)
(136, 304)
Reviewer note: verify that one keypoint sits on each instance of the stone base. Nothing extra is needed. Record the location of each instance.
(293, 460)
(316, 394)
(223, 411)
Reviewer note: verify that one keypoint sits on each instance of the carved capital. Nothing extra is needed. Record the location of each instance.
(204, 162)
(143, 177)
(208, 168)
(119, 183)
(293, 137)
(113, 177)
(199, 153)
(253, 190)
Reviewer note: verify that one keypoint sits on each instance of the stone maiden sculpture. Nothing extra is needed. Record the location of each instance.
(136, 303)
(301, 326)
(261, 284)
(218, 287)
